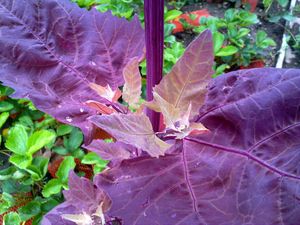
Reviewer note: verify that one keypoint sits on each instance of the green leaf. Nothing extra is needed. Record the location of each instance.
(64, 129)
(274, 19)
(260, 36)
(26, 121)
(218, 39)
(19, 174)
(98, 168)
(8, 198)
(34, 172)
(12, 218)
(170, 39)
(38, 140)
(75, 139)
(172, 14)
(28, 181)
(267, 3)
(168, 28)
(108, 140)
(232, 31)
(212, 23)
(6, 106)
(54, 186)
(7, 201)
(29, 210)
(283, 3)
(48, 204)
(60, 150)
(289, 17)
(267, 43)
(229, 14)
(21, 161)
(226, 51)
(17, 140)
(91, 158)
(3, 117)
(243, 32)
(13, 186)
(263, 41)
(247, 18)
(63, 171)
(7, 173)
(220, 69)
(5, 91)
(37, 219)
(78, 153)
(38, 168)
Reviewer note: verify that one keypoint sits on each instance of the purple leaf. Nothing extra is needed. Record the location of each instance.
(245, 171)
(82, 193)
(54, 217)
(132, 129)
(52, 51)
(112, 151)
(83, 197)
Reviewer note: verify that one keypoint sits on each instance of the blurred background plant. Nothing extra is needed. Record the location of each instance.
(36, 155)
(234, 47)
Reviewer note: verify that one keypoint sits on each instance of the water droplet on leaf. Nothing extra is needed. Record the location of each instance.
(93, 63)
(69, 119)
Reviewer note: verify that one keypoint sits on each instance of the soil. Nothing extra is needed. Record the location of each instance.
(274, 30)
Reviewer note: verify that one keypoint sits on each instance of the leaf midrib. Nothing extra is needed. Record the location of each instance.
(245, 154)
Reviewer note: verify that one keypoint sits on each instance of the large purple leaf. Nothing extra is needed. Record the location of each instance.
(246, 171)
(51, 51)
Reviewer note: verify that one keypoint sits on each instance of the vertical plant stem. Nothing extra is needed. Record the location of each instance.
(154, 26)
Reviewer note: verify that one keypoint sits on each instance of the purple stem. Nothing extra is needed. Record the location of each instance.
(154, 26)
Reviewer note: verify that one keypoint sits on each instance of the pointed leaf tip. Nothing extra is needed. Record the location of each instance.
(189, 77)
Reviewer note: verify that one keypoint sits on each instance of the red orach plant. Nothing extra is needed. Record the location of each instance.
(240, 167)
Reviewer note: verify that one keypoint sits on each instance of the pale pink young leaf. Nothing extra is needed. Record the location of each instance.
(106, 92)
(100, 107)
(189, 77)
(170, 113)
(133, 83)
(133, 129)
(192, 129)
(176, 119)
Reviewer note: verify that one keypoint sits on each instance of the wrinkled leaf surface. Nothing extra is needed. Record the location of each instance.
(51, 51)
(245, 171)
